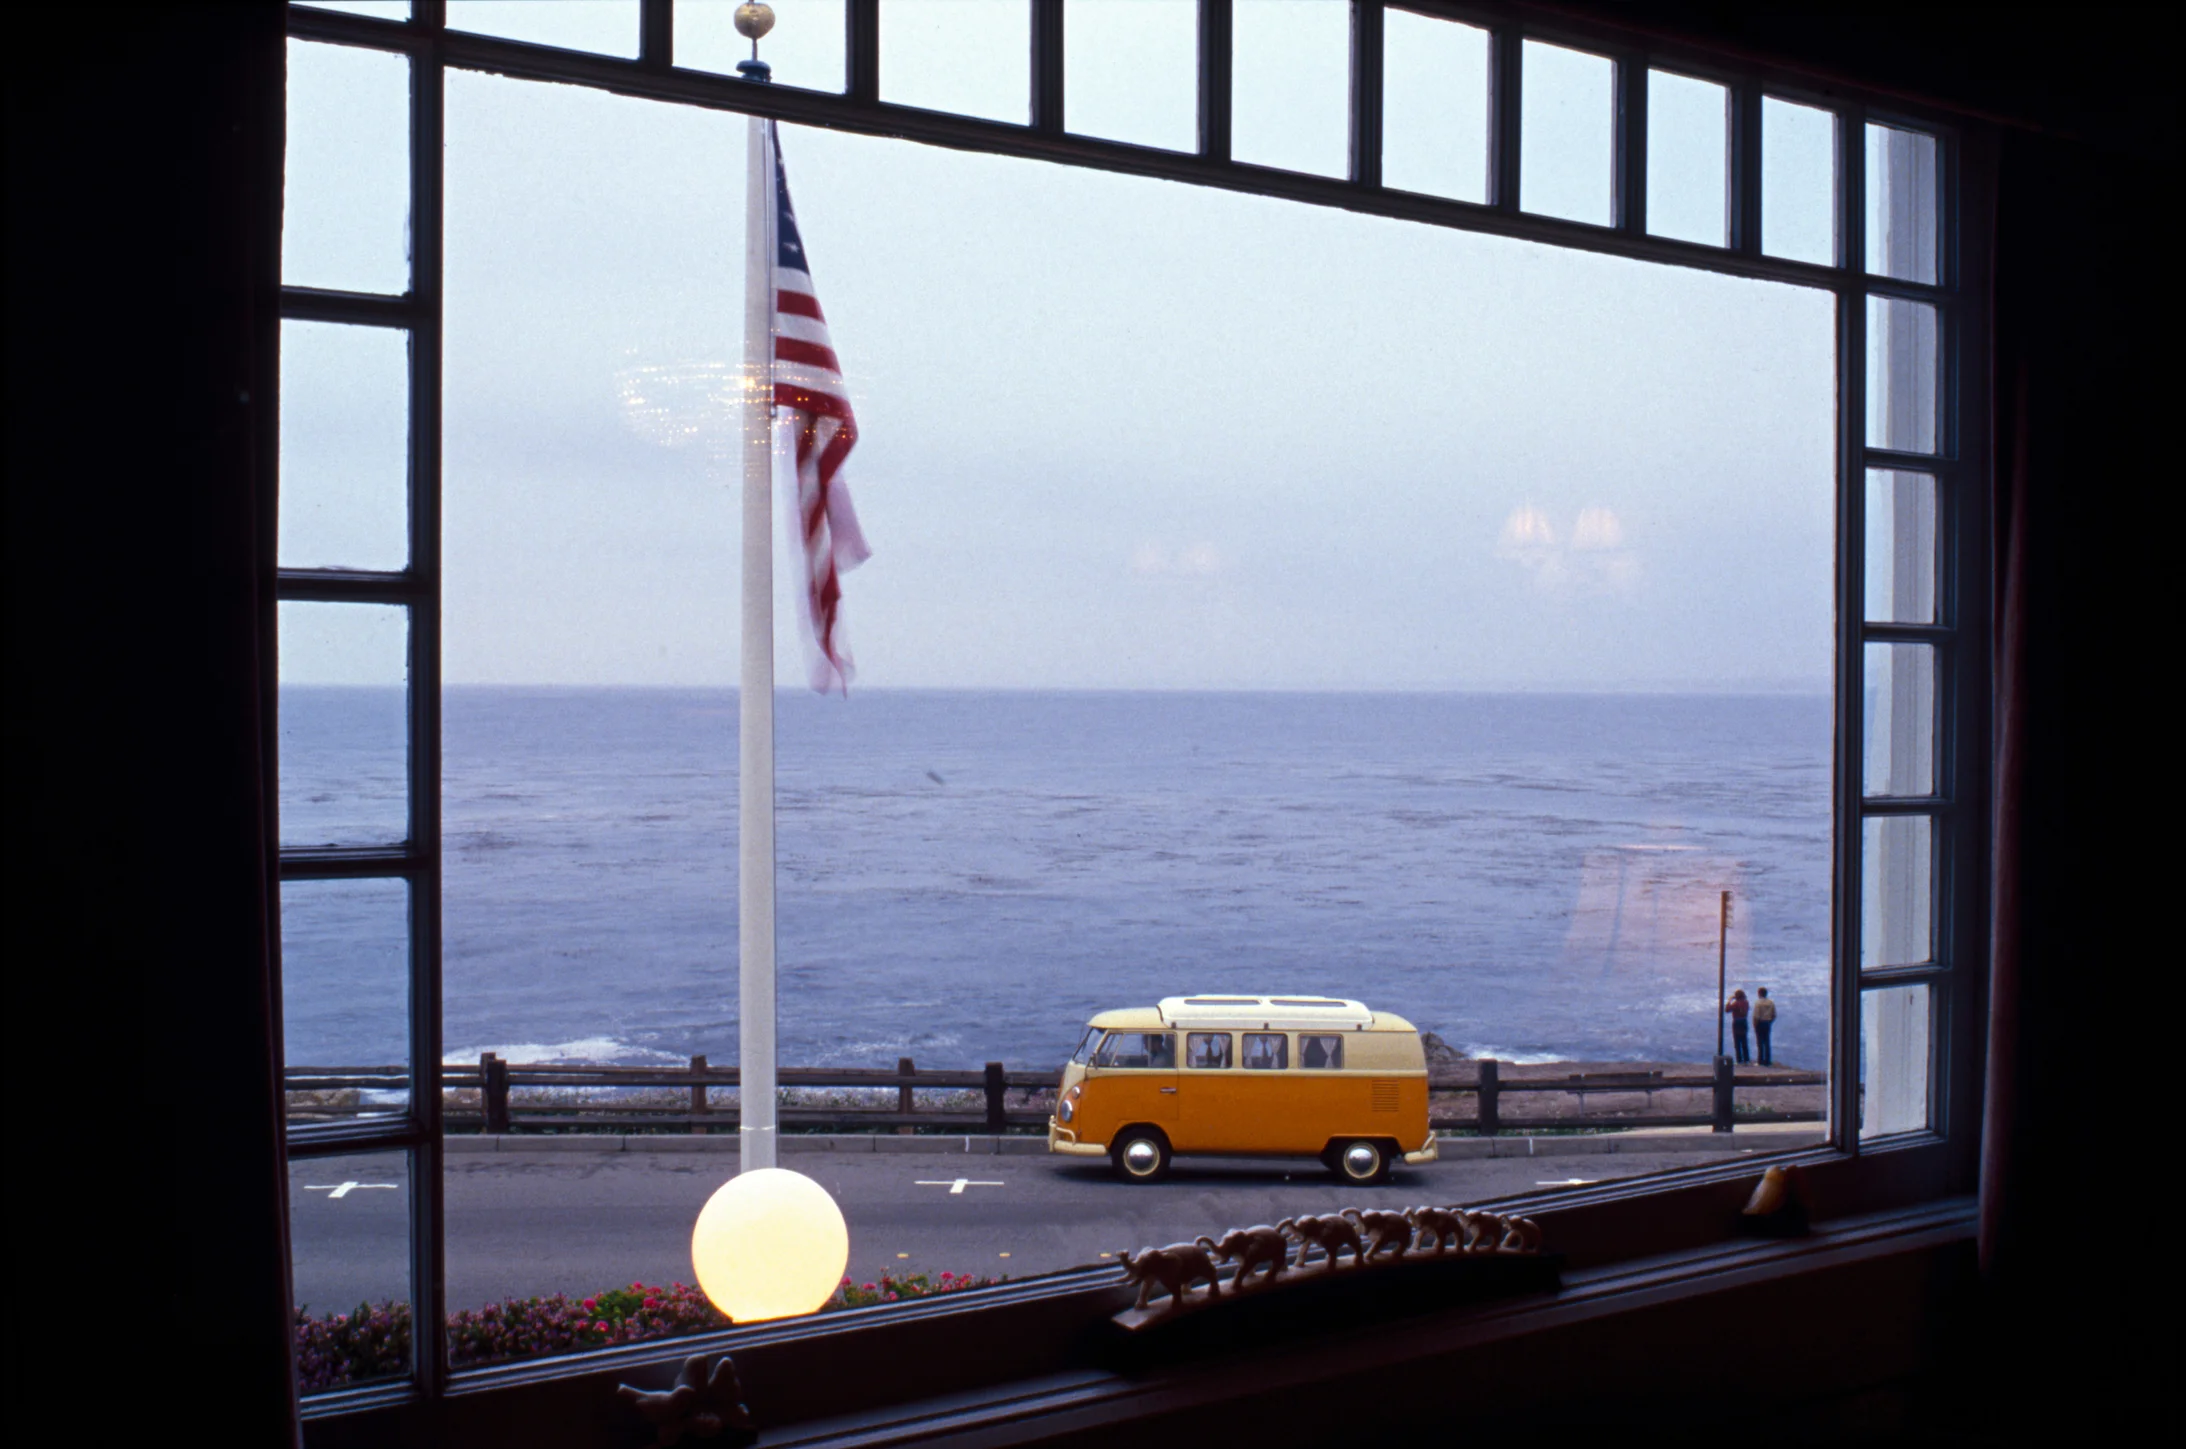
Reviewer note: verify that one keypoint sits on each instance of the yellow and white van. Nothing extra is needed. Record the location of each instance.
(1258, 1076)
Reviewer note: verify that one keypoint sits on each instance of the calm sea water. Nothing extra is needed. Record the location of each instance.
(966, 877)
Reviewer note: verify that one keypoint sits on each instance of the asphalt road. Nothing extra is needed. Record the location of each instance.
(526, 1222)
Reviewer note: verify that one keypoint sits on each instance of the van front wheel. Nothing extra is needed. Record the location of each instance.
(1362, 1161)
(1140, 1154)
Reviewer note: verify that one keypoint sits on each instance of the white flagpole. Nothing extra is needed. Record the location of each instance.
(755, 705)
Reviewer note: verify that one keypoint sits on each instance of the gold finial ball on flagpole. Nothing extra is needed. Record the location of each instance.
(753, 21)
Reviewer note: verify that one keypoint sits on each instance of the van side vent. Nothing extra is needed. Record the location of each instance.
(1385, 1096)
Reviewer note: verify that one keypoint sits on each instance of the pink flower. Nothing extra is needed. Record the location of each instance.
(590, 1305)
(872, 1288)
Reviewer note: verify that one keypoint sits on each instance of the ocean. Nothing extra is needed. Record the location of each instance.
(967, 876)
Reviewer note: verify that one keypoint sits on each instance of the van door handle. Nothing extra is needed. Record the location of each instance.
(1168, 1091)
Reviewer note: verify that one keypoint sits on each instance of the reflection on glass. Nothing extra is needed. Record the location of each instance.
(1901, 718)
(805, 47)
(1566, 133)
(345, 219)
(344, 733)
(1434, 126)
(1131, 72)
(349, 1253)
(345, 440)
(1894, 1036)
(1290, 85)
(345, 998)
(1901, 375)
(1901, 204)
(967, 56)
(376, 9)
(1901, 547)
(1897, 875)
(1688, 158)
(1798, 182)
(604, 27)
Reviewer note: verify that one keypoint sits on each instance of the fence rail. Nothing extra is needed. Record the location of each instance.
(498, 1096)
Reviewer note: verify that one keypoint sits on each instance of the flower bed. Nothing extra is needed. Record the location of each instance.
(372, 1341)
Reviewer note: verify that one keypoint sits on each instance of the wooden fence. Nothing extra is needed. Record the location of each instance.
(498, 1096)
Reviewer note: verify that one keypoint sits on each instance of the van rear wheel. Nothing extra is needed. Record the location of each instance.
(1140, 1154)
(1361, 1161)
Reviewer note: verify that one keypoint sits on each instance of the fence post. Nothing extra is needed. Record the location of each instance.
(698, 1095)
(996, 1083)
(1491, 1092)
(904, 1068)
(1725, 1079)
(493, 1094)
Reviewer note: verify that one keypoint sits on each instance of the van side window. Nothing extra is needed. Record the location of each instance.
(1137, 1049)
(1267, 1051)
(1321, 1053)
(1207, 1049)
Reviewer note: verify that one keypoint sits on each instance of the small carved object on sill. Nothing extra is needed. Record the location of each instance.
(1423, 1259)
(703, 1404)
(1173, 1269)
(1259, 1248)
(1777, 1209)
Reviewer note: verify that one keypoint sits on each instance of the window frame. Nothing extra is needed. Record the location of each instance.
(1606, 1224)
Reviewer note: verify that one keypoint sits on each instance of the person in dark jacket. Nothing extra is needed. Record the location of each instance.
(1738, 1007)
(1764, 1022)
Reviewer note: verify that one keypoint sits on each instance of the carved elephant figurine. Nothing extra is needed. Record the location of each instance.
(1333, 1233)
(1437, 1228)
(1382, 1230)
(1173, 1269)
(1259, 1249)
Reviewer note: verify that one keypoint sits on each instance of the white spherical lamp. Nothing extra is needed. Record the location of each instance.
(769, 1244)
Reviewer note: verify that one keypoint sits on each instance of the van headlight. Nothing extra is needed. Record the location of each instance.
(1068, 1111)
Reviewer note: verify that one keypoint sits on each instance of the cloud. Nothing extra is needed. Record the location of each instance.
(1192, 561)
(1595, 561)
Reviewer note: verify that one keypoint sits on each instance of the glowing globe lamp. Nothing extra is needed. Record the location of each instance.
(769, 1244)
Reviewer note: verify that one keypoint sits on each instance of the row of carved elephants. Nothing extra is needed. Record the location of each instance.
(1262, 1253)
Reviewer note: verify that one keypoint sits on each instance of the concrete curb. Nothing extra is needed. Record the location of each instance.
(983, 1145)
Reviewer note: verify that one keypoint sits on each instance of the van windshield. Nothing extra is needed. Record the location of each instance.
(1084, 1053)
(1137, 1049)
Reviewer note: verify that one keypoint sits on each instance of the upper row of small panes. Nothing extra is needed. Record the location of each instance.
(1131, 74)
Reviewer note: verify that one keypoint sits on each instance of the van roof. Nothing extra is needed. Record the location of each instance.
(1335, 1012)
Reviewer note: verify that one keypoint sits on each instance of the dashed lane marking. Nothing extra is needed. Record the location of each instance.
(343, 1189)
(955, 1186)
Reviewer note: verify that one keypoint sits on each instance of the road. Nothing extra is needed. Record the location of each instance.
(523, 1222)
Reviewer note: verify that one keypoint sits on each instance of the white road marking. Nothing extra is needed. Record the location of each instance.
(343, 1189)
(956, 1187)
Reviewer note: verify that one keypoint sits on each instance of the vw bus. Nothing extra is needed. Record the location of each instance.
(1257, 1076)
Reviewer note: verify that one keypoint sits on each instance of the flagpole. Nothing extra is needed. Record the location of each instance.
(756, 1096)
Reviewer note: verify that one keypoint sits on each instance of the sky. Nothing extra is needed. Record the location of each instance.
(1116, 433)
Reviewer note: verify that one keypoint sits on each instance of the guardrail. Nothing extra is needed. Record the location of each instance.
(498, 1096)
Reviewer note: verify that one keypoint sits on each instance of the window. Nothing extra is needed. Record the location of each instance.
(1854, 204)
(1207, 1049)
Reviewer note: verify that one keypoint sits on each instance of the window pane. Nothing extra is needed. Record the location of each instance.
(345, 997)
(1266, 1051)
(604, 27)
(1901, 547)
(1901, 716)
(1566, 133)
(1901, 375)
(344, 731)
(1688, 158)
(1897, 883)
(345, 443)
(1798, 182)
(1901, 204)
(1894, 1038)
(1290, 87)
(805, 47)
(349, 1246)
(1434, 125)
(973, 57)
(377, 9)
(1131, 72)
(345, 220)
(1207, 1049)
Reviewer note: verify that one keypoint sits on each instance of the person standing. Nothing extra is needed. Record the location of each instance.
(1738, 1007)
(1764, 1020)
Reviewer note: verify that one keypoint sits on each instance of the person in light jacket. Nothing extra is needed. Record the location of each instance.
(1737, 1007)
(1764, 1021)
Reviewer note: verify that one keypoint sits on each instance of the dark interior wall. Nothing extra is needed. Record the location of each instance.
(143, 164)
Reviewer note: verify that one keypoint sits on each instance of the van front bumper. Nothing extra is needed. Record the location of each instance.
(1062, 1139)
(1429, 1153)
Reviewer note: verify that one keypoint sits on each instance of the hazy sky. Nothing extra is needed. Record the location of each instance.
(1116, 433)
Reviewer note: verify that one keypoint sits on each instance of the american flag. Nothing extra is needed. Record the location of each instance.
(812, 400)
